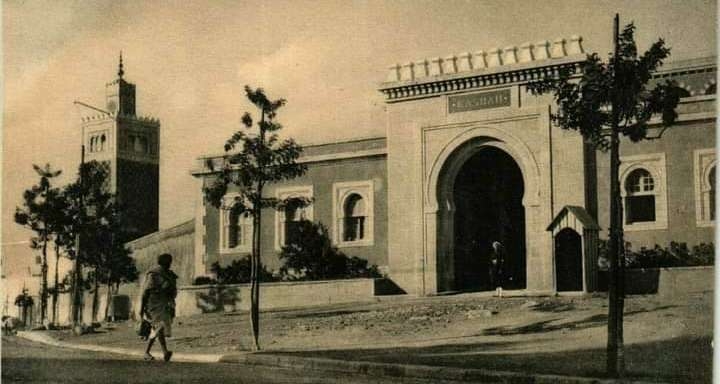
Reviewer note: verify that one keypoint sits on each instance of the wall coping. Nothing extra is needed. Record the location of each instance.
(276, 283)
(698, 268)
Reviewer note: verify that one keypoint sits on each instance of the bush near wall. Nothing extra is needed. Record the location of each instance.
(237, 272)
(675, 255)
(311, 256)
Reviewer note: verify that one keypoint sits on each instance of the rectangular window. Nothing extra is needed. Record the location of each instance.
(354, 228)
(640, 209)
(292, 232)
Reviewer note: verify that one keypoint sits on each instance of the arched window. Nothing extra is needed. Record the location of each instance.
(704, 177)
(640, 197)
(355, 215)
(102, 142)
(288, 219)
(236, 227)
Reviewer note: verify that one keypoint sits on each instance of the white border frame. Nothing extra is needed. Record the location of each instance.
(703, 161)
(282, 193)
(655, 164)
(223, 216)
(341, 191)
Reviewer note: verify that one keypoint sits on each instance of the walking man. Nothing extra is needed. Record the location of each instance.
(158, 303)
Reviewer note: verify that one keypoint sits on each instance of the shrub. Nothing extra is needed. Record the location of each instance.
(311, 256)
(238, 272)
(204, 280)
(674, 255)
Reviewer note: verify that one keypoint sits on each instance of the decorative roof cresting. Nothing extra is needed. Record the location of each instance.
(481, 60)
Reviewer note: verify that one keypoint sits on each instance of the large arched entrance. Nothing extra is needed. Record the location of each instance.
(486, 196)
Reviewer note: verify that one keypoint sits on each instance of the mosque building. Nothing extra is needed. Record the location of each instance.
(471, 157)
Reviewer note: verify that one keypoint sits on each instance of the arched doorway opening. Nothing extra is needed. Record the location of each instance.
(487, 205)
(568, 261)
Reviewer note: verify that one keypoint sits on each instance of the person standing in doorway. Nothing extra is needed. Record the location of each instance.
(158, 304)
(497, 261)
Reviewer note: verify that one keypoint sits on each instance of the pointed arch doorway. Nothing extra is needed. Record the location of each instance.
(482, 188)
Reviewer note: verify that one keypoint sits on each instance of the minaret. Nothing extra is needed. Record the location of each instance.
(129, 145)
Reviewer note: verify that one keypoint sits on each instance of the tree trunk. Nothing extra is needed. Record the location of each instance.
(78, 297)
(55, 291)
(44, 288)
(615, 348)
(108, 302)
(254, 279)
(96, 297)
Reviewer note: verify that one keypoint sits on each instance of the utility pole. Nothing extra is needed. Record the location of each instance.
(615, 347)
(77, 272)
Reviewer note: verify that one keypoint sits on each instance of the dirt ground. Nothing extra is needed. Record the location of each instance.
(666, 339)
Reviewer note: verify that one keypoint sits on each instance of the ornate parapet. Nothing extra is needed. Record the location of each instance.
(96, 117)
(512, 64)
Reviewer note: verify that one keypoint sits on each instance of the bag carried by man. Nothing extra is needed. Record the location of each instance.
(143, 329)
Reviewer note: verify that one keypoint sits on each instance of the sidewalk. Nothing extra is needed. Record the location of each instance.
(463, 336)
(349, 367)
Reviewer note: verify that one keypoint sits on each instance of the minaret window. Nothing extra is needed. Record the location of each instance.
(97, 143)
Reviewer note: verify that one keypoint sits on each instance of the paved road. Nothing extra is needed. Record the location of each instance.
(28, 362)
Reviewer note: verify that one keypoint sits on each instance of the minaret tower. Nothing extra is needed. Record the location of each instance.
(129, 145)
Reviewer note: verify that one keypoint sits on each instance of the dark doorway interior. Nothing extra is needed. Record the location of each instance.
(488, 195)
(568, 261)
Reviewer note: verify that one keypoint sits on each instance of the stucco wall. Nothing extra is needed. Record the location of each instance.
(678, 144)
(194, 300)
(321, 176)
(666, 282)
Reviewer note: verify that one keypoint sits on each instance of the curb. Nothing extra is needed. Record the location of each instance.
(411, 371)
(471, 375)
(41, 337)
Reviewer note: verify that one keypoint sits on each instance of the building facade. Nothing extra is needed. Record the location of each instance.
(471, 157)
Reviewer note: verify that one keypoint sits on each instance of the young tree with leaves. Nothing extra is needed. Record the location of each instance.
(604, 101)
(253, 160)
(37, 215)
(60, 228)
(97, 224)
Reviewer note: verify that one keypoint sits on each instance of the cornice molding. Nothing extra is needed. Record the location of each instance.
(440, 86)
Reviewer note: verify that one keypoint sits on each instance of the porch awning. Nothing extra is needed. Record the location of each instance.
(575, 214)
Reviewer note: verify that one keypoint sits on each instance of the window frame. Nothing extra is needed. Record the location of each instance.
(341, 192)
(283, 193)
(653, 163)
(704, 161)
(244, 222)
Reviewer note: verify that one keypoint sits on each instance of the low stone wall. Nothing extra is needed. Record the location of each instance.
(193, 300)
(667, 282)
(686, 280)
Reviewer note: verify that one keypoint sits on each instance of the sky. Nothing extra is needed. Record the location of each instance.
(191, 60)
